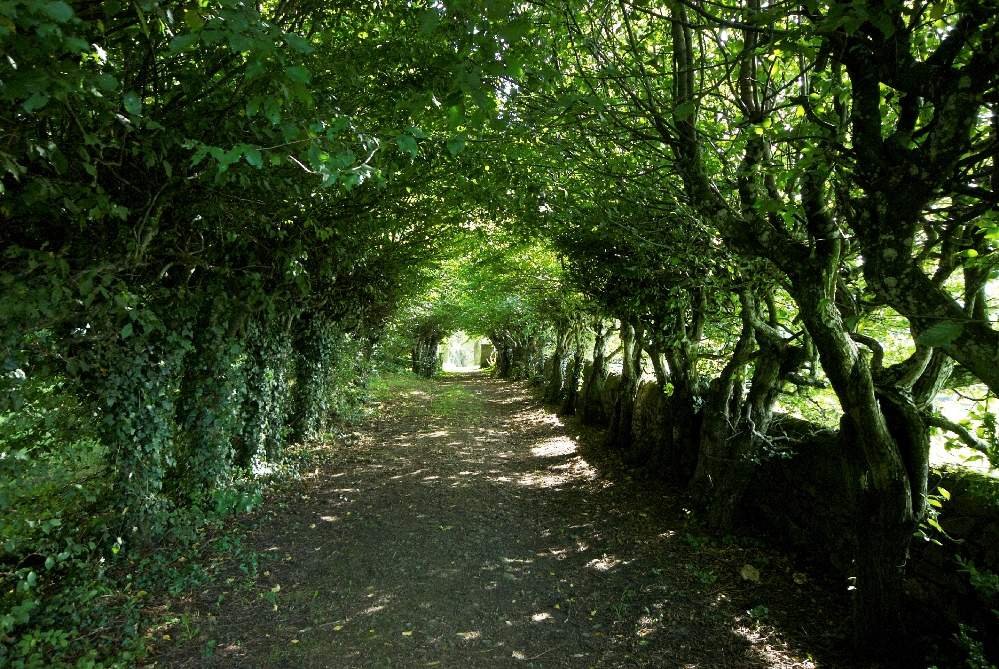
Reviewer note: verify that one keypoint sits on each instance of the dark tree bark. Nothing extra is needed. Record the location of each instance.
(425, 354)
(504, 356)
(572, 379)
(879, 475)
(619, 433)
(735, 426)
(685, 400)
(555, 386)
(592, 411)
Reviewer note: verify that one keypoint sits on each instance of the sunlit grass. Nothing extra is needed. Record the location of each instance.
(413, 396)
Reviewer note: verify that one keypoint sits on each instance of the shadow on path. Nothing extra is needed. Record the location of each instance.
(464, 527)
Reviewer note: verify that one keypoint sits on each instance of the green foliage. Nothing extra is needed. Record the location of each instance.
(929, 528)
(268, 373)
(212, 227)
(974, 648)
(440, 401)
(219, 217)
(330, 379)
(985, 582)
(213, 384)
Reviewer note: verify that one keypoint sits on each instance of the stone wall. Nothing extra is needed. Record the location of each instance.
(799, 499)
(651, 427)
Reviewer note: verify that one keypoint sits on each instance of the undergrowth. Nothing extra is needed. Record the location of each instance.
(415, 395)
(78, 586)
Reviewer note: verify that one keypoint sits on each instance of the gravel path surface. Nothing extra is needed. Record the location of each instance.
(465, 525)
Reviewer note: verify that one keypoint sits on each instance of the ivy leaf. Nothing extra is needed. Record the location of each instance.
(35, 102)
(299, 74)
(253, 157)
(298, 43)
(58, 11)
(133, 105)
(126, 331)
(408, 145)
(456, 145)
(940, 334)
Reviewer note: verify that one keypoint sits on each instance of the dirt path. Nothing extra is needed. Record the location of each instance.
(468, 527)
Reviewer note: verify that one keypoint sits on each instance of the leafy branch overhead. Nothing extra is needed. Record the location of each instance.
(752, 226)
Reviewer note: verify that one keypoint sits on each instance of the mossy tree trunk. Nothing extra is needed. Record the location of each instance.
(682, 353)
(264, 411)
(735, 426)
(619, 433)
(425, 354)
(573, 377)
(881, 479)
(591, 406)
(555, 385)
(207, 413)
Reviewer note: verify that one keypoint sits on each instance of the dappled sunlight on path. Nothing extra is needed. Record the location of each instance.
(483, 532)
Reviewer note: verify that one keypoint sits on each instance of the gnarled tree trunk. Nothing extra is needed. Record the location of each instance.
(426, 362)
(572, 378)
(735, 426)
(591, 406)
(619, 432)
(877, 473)
(685, 400)
(555, 386)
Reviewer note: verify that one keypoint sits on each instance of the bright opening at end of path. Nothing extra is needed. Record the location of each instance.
(465, 353)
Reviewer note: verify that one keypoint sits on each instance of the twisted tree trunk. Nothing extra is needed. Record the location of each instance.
(591, 406)
(735, 426)
(555, 386)
(572, 379)
(619, 434)
(425, 355)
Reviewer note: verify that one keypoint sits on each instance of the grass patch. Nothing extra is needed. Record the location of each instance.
(413, 396)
